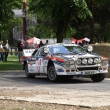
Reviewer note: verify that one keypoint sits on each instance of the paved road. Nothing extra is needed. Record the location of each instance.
(17, 78)
(77, 91)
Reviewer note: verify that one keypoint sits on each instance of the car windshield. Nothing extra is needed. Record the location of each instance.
(76, 49)
(58, 49)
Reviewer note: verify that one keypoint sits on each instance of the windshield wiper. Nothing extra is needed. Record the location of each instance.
(79, 53)
(57, 53)
(72, 53)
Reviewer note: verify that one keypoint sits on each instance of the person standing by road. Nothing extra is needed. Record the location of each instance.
(20, 49)
(1, 52)
(40, 44)
(7, 48)
(46, 42)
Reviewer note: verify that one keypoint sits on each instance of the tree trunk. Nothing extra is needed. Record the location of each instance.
(59, 37)
(91, 33)
(62, 27)
(91, 21)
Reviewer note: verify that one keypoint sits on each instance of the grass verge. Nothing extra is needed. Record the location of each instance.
(11, 64)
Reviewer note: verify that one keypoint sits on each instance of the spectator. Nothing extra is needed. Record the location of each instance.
(20, 49)
(80, 44)
(1, 52)
(7, 48)
(46, 42)
(41, 44)
(26, 45)
(83, 42)
(2, 43)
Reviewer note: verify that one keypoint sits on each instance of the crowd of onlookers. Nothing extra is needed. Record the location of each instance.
(5, 48)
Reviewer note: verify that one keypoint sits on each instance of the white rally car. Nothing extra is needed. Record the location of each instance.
(65, 61)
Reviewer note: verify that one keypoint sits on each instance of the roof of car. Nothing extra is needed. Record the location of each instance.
(70, 44)
(65, 44)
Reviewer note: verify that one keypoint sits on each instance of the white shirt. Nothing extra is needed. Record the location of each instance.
(7, 46)
(1, 46)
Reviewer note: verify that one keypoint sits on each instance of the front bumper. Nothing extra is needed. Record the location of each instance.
(81, 71)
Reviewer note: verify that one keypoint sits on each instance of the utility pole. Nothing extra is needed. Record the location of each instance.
(24, 21)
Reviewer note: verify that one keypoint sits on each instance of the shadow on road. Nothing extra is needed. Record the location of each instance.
(19, 78)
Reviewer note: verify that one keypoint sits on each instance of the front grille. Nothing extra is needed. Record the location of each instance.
(87, 68)
(86, 64)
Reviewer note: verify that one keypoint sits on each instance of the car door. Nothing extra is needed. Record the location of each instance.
(40, 61)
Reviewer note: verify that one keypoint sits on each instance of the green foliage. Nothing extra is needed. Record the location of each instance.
(60, 12)
(59, 19)
(7, 22)
(70, 32)
(101, 17)
(6, 7)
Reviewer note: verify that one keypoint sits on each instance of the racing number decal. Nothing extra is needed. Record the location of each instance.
(39, 64)
(40, 61)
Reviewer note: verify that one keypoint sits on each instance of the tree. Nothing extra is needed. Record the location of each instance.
(6, 14)
(102, 18)
(61, 13)
(97, 27)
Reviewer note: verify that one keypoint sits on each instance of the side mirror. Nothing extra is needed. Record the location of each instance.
(90, 48)
(46, 50)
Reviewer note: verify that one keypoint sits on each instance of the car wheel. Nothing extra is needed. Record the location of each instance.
(27, 72)
(97, 77)
(52, 75)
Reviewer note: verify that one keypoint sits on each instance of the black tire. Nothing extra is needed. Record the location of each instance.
(27, 72)
(52, 75)
(97, 77)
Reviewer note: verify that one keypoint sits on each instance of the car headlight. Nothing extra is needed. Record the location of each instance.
(104, 62)
(84, 61)
(71, 62)
(90, 61)
(67, 64)
(96, 60)
(89, 48)
(78, 61)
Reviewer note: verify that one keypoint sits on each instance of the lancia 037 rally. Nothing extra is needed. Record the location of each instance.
(65, 61)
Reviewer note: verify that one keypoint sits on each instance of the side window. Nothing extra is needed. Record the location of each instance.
(37, 54)
(34, 53)
(41, 53)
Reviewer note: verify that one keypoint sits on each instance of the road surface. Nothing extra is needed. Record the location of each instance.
(76, 91)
